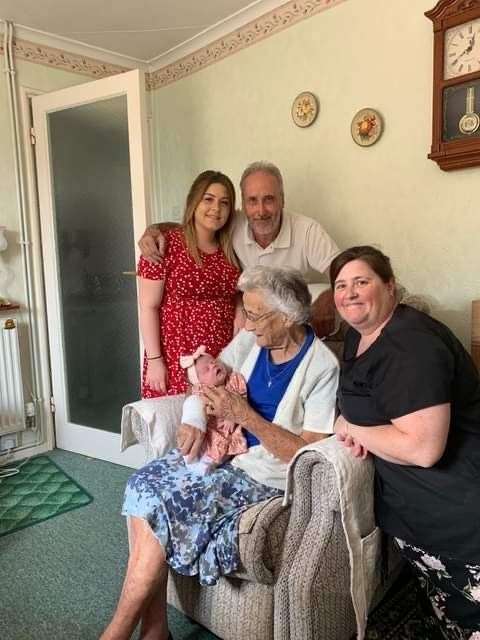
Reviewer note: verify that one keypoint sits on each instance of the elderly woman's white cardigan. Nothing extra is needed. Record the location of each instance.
(308, 402)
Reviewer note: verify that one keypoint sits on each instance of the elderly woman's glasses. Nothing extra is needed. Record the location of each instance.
(256, 319)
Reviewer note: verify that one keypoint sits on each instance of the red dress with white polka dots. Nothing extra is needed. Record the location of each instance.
(198, 306)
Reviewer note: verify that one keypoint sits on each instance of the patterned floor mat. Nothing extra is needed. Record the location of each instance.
(404, 614)
(39, 491)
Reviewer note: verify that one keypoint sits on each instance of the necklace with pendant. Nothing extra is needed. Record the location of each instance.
(271, 379)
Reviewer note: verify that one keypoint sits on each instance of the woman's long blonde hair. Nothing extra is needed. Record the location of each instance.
(195, 195)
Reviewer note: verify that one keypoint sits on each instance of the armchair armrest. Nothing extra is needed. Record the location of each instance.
(152, 423)
(329, 586)
(271, 533)
(260, 537)
(314, 587)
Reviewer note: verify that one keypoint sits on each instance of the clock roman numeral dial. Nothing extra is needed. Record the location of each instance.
(462, 50)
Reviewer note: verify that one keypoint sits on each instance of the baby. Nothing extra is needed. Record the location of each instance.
(223, 438)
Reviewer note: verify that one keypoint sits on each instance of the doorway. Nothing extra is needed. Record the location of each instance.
(91, 154)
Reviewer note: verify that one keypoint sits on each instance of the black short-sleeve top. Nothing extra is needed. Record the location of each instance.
(416, 363)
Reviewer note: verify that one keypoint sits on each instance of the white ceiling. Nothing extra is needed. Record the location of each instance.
(142, 30)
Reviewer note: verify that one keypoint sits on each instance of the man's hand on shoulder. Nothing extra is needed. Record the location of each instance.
(152, 243)
(149, 244)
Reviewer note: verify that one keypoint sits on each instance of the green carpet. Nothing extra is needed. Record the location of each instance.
(61, 579)
(39, 491)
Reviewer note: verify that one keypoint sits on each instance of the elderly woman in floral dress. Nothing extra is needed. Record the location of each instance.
(409, 394)
(189, 522)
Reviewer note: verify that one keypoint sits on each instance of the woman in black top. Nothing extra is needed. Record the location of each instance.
(409, 394)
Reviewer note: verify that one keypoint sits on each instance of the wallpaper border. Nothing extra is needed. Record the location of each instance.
(267, 25)
(60, 59)
(255, 31)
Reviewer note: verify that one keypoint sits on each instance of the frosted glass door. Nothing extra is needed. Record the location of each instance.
(94, 236)
(93, 205)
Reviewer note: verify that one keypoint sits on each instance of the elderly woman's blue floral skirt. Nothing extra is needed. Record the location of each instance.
(194, 517)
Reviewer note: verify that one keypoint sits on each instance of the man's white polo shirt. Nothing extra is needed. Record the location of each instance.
(302, 243)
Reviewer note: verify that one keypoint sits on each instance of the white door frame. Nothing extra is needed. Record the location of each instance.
(46, 441)
(82, 439)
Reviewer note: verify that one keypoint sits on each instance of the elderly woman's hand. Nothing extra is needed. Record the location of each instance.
(348, 441)
(225, 404)
(189, 441)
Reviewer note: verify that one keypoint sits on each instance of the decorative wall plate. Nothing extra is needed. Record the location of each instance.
(305, 109)
(366, 127)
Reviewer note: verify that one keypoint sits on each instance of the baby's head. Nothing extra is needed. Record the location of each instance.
(202, 368)
(210, 370)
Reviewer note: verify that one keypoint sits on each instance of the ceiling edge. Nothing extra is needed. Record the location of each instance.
(79, 58)
(232, 23)
(255, 31)
(72, 48)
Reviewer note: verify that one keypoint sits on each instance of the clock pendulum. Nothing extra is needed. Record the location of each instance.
(470, 121)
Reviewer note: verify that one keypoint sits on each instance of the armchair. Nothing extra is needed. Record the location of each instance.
(296, 579)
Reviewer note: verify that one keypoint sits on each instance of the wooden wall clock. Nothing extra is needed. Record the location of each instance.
(456, 84)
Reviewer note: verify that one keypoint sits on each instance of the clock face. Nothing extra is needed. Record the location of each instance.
(462, 49)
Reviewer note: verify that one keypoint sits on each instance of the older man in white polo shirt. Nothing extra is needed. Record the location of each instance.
(266, 234)
(263, 233)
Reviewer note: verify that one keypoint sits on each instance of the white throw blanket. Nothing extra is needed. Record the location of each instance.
(355, 486)
(153, 423)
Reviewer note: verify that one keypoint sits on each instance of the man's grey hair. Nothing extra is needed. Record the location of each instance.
(284, 290)
(263, 167)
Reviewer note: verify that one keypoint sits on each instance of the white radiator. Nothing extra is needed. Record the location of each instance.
(12, 412)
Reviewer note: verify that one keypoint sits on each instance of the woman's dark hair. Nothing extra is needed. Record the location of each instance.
(376, 260)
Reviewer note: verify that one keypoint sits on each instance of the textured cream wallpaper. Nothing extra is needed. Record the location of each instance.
(361, 53)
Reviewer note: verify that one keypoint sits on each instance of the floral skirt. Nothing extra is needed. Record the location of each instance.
(453, 589)
(194, 517)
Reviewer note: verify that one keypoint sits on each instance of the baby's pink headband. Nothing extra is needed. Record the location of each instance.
(188, 363)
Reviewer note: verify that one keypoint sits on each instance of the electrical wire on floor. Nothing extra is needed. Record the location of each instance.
(11, 471)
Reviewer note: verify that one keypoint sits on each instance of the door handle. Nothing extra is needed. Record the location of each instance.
(129, 273)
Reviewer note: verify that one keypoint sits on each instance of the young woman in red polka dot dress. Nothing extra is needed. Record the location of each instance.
(190, 297)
